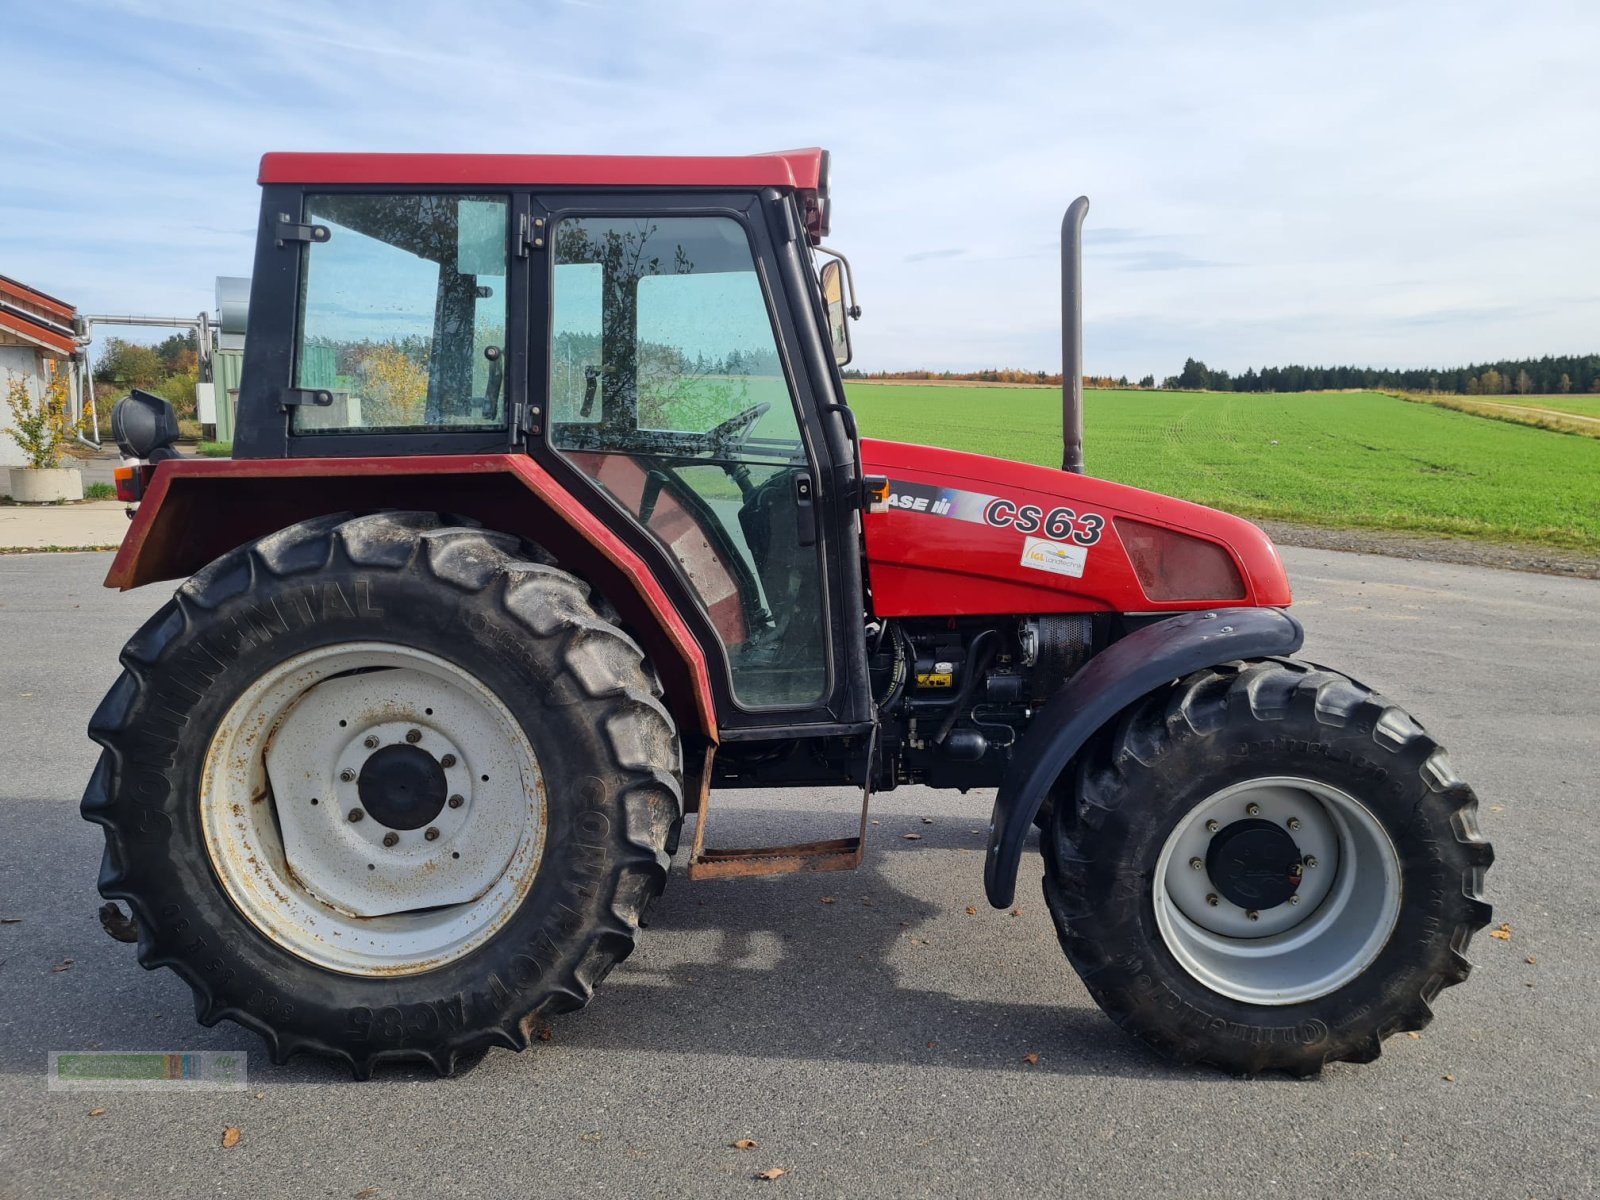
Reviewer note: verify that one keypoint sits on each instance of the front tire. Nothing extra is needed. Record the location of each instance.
(1269, 867)
(385, 789)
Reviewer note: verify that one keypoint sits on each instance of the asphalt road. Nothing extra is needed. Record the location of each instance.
(870, 1046)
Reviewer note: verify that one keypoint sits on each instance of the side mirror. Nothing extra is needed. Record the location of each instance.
(145, 427)
(832, 279)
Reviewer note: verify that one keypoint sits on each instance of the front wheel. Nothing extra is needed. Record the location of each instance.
(1269, 867)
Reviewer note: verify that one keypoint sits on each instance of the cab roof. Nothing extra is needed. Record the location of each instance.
(799, 170)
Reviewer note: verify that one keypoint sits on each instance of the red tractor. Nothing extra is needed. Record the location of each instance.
(547, 518)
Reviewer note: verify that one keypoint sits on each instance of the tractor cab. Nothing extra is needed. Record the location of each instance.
(659, 348)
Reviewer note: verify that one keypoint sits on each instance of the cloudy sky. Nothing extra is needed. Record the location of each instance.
(1392, 183)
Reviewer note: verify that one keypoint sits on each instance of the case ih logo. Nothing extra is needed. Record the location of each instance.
(1060, 524)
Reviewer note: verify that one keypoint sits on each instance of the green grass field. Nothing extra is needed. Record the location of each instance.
(1341, 459)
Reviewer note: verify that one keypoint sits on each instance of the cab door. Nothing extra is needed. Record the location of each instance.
(675, 391)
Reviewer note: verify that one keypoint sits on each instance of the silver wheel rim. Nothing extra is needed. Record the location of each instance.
(1341, 915)
(289, 836)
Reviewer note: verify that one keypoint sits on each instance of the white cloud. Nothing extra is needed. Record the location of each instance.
(1397, 183)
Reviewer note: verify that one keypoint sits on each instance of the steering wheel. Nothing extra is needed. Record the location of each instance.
(737, 427)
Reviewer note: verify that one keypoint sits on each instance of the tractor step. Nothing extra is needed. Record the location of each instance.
(836, 854)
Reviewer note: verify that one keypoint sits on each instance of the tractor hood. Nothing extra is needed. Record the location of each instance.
(966, 534)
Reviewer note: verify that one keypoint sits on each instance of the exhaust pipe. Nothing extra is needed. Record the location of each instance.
(1072, 335)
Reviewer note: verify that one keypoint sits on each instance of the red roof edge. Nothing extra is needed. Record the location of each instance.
(38, 334)
(800, 170)
(58, 308)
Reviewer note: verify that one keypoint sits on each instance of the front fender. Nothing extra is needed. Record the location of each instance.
(1112, 680)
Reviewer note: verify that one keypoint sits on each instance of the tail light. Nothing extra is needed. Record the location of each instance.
(131, 480)
(1174, 566)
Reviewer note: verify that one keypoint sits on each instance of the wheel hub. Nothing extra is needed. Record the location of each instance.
(1276, 890)
(373, 808)
(402, 787)
(1255, 864)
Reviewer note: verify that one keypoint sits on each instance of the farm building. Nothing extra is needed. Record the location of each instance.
(37, 339)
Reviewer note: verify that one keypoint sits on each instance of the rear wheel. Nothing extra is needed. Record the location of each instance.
(385, 789)
(1269, 867)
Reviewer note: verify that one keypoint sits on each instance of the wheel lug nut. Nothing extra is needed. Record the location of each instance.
(371, 743)
(1212, 900)
(1295, 899)
(449, 760)
(1293, 822)
(391, 838)
(1253, 810)
(1195, 864)
(355, 815)
(413, 736)
(1311, 860)
(1212, 826)
(1253, 915)
(456, 801)
(347, 775)
(432, 834)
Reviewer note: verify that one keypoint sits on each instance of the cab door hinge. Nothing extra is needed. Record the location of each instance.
(290, 230)
(530, 235)
(304, 398)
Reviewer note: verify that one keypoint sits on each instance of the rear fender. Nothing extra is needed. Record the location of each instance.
(196, 510)
(1123, 673)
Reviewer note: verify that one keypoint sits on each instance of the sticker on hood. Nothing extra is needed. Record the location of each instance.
(1058, 558)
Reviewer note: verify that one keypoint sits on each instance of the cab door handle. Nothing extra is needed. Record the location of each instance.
(805, 510)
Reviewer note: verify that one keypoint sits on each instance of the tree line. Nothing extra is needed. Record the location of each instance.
(1547, 376)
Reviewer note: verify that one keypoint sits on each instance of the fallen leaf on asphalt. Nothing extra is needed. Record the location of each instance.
(931, 1045)
(971, 912)
(912, 837)
(546, 1034)
(97, 1112)
(745, 1144)
(366, 1193)
(261, 1095)
(1449, 1078)
(827, 899)
(772, 1173)
(927, 820)
(593, 1136)
(1503, 933)
(1031, 1059)
(1414, 1036)
(1531, 960)
(903, 924)
(230, 1138)
(1497, 808)
(1016, 912)
(64, 965)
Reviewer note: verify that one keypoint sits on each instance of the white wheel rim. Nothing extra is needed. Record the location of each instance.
(1344, 911)
(368, 896)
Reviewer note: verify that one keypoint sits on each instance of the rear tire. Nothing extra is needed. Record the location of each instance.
(1322, 916)
(440, 642)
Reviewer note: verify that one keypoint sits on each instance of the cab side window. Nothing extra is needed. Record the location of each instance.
(403, 313)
